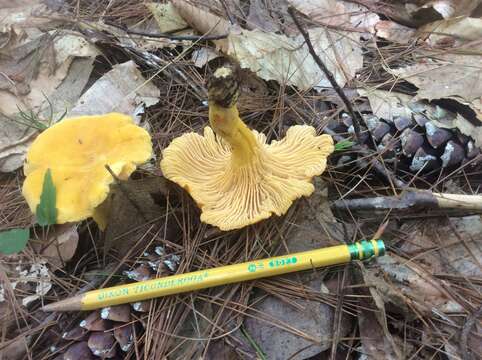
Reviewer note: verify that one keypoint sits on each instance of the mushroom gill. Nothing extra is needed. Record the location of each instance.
(237, 178)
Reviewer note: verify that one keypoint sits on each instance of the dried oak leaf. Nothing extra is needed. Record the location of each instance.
(279, 57)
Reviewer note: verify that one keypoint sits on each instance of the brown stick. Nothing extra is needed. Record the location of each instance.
(357, 120)
(412, 200)
(458, 201)
(168, 36)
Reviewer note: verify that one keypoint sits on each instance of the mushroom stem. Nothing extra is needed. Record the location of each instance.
(227, 124)
(223, 92)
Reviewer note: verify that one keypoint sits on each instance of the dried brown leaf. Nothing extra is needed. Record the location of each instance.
(281, 58)
(266, 15)
(411, 290)
(329, 12)
(451, 76)
(387, 104)
(284, 331)
(27, 15)
(47, 62)
(123, 89)
(201, 20)
(17, 349)
(166, 17)
(395, 32)
(442, 9)
(377, 341)
(39, 75)
(441, 245)
(337, 13)
(123, 216)
(60, 245)
(14, 142)
(452, 32)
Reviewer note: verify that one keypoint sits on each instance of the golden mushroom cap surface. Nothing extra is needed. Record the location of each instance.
(76, 151)
(232, 196)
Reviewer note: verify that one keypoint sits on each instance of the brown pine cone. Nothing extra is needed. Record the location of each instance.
(416, 144)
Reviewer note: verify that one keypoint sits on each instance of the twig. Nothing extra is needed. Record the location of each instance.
(168, 36)
(228, 12)
(471, 319)
(410, 201)
(355, 116)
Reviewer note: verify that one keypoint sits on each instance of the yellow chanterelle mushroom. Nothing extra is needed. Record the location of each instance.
(76, 151)
(236, 177)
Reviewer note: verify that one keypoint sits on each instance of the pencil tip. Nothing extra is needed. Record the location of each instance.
(71, 304)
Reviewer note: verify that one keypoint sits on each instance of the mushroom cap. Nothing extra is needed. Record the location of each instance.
(232, 197)
(76, 151)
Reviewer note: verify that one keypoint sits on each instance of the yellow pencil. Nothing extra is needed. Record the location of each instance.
(229, 274)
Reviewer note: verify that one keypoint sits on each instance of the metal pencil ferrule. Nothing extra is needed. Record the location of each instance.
(364, 250)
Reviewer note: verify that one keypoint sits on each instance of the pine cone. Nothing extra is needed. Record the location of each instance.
(415, 144)
(108, 333)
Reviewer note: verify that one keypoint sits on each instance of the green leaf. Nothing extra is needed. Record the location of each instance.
(46, 211)
(343, 145)
(13, 241)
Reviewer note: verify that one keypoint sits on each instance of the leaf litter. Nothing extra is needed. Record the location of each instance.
(123, 89)
(36, 63)
(419, 301)
(278, 57)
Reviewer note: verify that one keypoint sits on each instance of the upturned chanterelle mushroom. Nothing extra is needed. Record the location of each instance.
(236, 178)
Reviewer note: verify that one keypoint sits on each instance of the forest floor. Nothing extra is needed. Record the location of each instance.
(407, 169)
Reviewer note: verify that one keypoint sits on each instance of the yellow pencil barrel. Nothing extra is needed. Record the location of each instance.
(250, 270)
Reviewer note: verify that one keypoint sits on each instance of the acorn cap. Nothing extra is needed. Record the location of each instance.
(76, 151)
